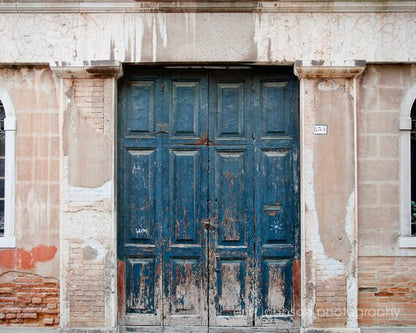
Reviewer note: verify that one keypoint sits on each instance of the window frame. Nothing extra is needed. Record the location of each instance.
(405, 238)
(9, 239)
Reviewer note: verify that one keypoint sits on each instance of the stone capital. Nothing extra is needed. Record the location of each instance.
(328, 69)
(87, 69)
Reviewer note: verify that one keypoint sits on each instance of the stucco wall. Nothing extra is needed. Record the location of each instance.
(386, 278)
(29, 273)
(383, 88)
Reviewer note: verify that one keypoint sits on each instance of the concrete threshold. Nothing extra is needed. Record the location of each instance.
(12, 329)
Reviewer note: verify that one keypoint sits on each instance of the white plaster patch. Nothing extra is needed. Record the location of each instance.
(352, 291)
(84, 196)
(350, 219)
(352, 301)
(88, 224)
(328, 85)
(190, 27)
(163, 31)
(260, 35)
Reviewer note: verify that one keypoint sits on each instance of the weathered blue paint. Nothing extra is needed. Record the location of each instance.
(208, 196)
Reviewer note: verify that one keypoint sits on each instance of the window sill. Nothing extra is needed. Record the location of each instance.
(407, 242)
(6, 242)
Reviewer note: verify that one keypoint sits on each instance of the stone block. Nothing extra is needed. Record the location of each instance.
(389, 146)
(367, 146)
(390, 98)
(378, 170)
(379, 123)
(389, 194)
(367, 194)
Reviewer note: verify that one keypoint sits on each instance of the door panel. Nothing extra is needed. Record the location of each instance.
(141, 196)
(140, 275)
(230, 185)
(184, 245)
(230, 110)
(274, 220)
(277, 304)
(276, 199)
(231, 246)
(185, 195)
(185, 108)
(184, 173)
(274, 119)
(208, 197)
(139, 193)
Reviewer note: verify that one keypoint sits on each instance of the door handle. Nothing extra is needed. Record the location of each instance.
(209, 224)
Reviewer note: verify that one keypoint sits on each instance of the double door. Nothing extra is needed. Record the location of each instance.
(208, 197)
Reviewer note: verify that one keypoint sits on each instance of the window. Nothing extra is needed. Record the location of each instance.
(413, 170)
(7, 170)
(2, 167)
(407, 169)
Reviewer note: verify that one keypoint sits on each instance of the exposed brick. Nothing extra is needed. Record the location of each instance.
(6, 290)
(383, 293)
(48, 321)
(33, 299)
(29, 315)
(391, 302)
(36, 300)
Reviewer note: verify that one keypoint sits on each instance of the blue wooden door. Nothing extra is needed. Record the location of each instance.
(208, 197)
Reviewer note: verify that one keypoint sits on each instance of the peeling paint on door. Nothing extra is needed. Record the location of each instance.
(208, 201)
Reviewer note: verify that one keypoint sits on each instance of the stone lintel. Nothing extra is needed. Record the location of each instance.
(266, 6)
(87, 69)
(328, 69)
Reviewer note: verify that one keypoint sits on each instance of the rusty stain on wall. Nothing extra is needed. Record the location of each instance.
(296, 289)
(121, 289)
(21, 259)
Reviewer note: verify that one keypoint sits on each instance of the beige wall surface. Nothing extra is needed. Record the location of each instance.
(32, 91)
(383, 88)
(29, 272)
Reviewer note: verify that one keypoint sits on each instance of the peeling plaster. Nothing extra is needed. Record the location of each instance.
(190, 27)
(313, 236)
(21, 259)
(334, 167)
(352, 279)
(86, 196)
(89, 151)
(316, 258)
(137, 37)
